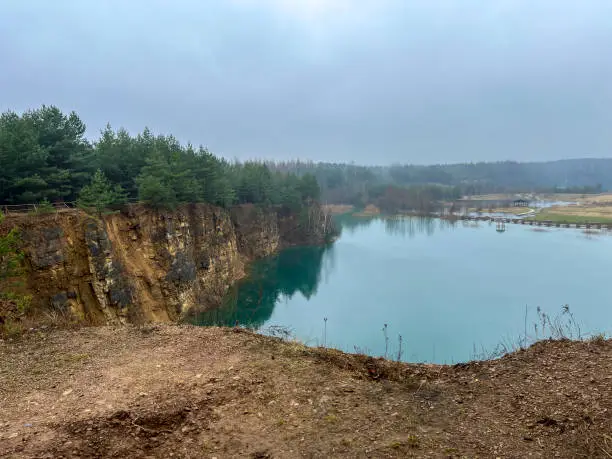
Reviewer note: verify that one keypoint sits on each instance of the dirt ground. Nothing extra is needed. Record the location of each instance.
(181, 391)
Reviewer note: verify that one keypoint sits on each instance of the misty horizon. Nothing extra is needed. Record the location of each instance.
(373, 83)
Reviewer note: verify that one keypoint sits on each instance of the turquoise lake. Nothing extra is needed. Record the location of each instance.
(454, 292)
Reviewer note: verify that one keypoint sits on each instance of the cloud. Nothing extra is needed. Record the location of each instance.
(370, 81)
(321, 23)
(313, 11)
(302, 9)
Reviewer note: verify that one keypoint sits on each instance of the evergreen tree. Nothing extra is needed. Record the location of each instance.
(155, 183)
(183, 180)
(309, 188)
(23, 161)
(121, 158)
(213, 175)
(289, 194)
(68, 157)
(100, 194)
(9, 252)
(255, 184)
(44, 156)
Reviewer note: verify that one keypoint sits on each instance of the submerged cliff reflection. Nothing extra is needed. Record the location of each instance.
(295, 270)
(251, 301)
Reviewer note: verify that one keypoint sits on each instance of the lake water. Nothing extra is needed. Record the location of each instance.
(454, 292)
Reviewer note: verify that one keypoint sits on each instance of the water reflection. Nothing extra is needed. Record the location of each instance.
(351, 224)
(277, 279)
(251, 302)
(400, 225)
(391, 272)
(410, 226)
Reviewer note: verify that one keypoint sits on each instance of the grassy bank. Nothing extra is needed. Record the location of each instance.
(338, 209)
(369, 211)
(504, 210)
(571, 218)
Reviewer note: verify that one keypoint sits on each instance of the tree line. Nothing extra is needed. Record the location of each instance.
(360, 185)
(46, 158)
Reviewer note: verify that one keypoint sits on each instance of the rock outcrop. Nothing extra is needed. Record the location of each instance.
(143, 265)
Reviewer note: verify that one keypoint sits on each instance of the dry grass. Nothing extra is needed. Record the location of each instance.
(492, 197)
(369, 211)
(602, 198)
(595, 199)
(576, 214)
(586, 211)
(506, 210)
(338, 209)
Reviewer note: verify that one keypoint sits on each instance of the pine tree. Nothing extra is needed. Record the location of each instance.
(309, 188)
(154, 192)
(156, 183)
(9, 252)
(100, 194)
(289, 195)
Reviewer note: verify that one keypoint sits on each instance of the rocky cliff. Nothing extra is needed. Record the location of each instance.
(142, 265)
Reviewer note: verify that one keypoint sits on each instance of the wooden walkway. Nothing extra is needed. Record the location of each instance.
(527, 221)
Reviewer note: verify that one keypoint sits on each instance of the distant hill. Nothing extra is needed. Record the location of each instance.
(352, 183)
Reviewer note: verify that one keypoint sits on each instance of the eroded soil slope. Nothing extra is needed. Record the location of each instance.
(170, 391)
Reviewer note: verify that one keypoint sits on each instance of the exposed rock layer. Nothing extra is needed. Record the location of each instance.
(148, 266)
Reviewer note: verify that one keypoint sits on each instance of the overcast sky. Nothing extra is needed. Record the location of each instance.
(370, 81)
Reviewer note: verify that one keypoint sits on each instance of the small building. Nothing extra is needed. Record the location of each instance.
(520, 203)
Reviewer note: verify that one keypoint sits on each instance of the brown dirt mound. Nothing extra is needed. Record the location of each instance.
(180, 391)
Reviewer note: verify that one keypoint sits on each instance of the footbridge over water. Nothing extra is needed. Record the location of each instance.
(532, 222)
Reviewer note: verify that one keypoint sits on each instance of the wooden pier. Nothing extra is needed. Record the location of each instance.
(531, 222)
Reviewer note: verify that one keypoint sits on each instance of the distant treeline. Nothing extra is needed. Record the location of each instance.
(360, 185)
(44, 157)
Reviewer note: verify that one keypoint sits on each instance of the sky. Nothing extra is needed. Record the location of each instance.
(364, 81)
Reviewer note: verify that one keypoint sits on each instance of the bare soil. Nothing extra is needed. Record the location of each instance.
(182, 391)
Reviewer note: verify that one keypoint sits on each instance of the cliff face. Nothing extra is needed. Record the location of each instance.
(147, 266)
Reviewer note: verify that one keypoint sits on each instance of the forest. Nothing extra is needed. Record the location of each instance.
(46, 158)
(360, 185)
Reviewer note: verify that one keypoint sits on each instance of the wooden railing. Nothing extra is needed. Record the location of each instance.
(8, 209)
